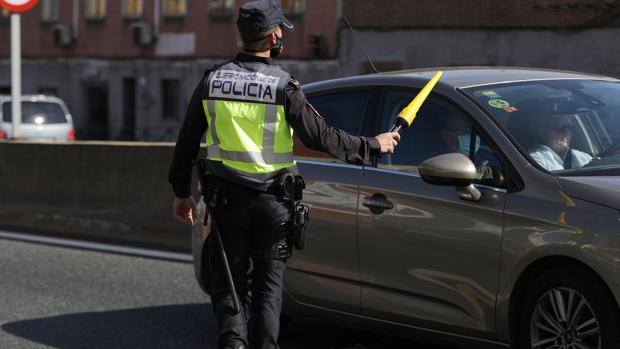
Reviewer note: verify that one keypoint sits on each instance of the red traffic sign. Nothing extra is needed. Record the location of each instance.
(18, 5)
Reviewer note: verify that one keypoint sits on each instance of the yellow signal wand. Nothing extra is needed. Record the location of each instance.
(406, 116)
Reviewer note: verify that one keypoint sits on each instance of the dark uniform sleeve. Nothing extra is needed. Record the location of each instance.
(188, 144)
(317, 135)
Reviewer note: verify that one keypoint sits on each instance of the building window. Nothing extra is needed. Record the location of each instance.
(96, 9)
(49, 11)
(174, 8)
(294, 8)
(220, 9)
(170, 90)
(132, 9)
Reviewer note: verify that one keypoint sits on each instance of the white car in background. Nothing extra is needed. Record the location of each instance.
(43, 118)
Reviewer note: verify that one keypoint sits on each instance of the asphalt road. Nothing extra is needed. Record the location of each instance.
(57, 297)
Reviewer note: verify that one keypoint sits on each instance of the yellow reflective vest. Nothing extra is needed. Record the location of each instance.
(244, 107)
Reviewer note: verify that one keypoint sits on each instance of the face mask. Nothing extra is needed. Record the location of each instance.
(464, 141)
(277, 47)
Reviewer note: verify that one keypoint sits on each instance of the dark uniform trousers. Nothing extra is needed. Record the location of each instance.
(251, 222)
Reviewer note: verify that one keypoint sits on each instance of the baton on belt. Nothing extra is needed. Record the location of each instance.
(211, 203)
(406, 116)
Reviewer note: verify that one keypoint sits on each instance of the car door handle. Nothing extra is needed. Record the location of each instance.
(377, 203)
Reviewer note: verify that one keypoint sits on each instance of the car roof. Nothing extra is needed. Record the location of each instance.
(457, 77)
(33, 98)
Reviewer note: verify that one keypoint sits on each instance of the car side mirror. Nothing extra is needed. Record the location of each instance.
(453, 169)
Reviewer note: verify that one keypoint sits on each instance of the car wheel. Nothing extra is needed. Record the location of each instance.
(569, 308)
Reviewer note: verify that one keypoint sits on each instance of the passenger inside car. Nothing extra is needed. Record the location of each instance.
(423, 139)
(456, 134)
(439, 128)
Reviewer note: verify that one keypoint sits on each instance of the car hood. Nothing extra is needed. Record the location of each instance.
(603, 190)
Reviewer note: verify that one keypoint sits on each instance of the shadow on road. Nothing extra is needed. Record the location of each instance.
(179, 326)
(173, 326)
(309, 334)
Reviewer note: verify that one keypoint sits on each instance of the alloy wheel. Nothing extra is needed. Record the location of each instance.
(563, 319)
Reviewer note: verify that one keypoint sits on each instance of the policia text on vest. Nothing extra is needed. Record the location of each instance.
(250, 86)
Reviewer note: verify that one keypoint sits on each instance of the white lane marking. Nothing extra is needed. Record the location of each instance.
(96, 246)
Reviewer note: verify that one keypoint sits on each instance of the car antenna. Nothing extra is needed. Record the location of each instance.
(374, 69)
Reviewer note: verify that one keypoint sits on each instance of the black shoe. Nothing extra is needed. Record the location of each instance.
(231, 340)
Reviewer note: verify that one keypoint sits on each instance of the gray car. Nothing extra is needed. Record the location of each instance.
(495, 223)
(44, 118)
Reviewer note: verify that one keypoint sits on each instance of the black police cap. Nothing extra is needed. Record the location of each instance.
(258, 16)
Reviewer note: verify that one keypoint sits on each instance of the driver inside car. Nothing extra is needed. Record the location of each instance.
(553, 152)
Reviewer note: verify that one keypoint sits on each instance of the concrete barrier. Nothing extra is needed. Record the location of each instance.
(104, 191)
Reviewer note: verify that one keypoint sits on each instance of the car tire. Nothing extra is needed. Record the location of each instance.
(567, 305)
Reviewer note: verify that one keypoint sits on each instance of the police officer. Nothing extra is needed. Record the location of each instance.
(249, 108)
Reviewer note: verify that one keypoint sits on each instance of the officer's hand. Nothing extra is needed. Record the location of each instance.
(183, 209)
(388, 141)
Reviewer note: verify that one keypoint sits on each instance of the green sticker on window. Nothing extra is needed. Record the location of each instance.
(491, 94)
(499, 103)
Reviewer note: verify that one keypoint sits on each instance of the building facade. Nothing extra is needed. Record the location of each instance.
(556, 34)
(127, 68)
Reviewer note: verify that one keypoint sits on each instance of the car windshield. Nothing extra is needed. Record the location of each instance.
(567, 127)
(38, 113)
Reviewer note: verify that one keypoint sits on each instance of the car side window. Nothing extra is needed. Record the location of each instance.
(344, 110)
(439, 128)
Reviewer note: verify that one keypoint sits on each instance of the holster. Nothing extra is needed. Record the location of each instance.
(210, 185)
(211, 190)
(292, 187)
(301, 216)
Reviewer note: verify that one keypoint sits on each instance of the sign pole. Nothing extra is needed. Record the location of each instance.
(16, 7)
(16, 74)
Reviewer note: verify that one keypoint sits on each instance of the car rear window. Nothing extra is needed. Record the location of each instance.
(36, 113)
(342, 109)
